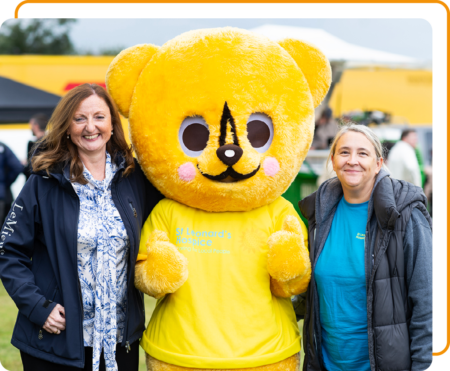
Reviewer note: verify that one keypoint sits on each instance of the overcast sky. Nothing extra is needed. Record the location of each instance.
(409, 37)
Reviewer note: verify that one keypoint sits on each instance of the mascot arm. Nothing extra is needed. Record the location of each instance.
(288, 260)
(163, 270)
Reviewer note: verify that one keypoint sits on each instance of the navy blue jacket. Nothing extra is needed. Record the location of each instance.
(10, 168)
(38, 260)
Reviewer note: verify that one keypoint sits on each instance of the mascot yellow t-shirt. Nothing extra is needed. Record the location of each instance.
(225, 308)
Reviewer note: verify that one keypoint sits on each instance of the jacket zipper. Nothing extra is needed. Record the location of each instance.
(78, 279)
(78, 282)
(133, 209)
(127, 344)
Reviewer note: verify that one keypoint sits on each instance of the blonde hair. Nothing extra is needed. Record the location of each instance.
(367, 132)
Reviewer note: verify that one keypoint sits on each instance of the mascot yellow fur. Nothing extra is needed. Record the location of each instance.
(221, 121)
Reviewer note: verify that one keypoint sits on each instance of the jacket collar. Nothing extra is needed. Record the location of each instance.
(392, 197)
(387, 201)
(326, 198)
(385, 207)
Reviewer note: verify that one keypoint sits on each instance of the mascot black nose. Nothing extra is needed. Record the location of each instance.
(229, 154)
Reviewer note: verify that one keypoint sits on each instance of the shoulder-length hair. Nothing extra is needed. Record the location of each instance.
(55, 148)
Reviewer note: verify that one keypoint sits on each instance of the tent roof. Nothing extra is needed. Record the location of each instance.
(334, 48)
(18, 102)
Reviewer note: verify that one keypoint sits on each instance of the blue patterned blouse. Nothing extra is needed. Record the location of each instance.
(103, 248)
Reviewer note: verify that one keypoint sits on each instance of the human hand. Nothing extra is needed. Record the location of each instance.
(56, 321)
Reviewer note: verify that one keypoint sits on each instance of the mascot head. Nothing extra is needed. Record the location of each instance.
(220, 119)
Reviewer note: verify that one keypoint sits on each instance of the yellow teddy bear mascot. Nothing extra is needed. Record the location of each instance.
(221, 121)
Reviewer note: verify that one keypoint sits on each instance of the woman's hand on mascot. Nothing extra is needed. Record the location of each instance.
(56, 321)
(165, 269)
(288, 260)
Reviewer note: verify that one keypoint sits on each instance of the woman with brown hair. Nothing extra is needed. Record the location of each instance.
(70, 241)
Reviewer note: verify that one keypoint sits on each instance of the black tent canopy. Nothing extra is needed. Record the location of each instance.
(18, 102)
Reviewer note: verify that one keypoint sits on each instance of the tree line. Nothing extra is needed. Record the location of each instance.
(42, 37)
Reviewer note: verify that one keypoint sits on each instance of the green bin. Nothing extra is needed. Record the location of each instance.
(304, 184)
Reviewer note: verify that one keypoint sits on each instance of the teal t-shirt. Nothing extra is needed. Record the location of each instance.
(341, 284)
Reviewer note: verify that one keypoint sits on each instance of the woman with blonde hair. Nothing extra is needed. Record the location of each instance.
(368, 305)
(70, 241)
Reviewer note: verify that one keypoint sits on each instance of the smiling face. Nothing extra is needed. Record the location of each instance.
(229, 124)
(355, 163)
(220, 119)
(91, 126)
(194, 136)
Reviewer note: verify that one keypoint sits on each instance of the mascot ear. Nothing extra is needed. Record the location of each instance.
(124, 71)
(314, 65)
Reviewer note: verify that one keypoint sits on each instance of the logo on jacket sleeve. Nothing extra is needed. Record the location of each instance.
(8, 227)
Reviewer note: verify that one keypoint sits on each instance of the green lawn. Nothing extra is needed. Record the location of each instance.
(10, 356)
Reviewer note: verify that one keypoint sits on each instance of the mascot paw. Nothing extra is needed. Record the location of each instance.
(288, 260)
(165, 269)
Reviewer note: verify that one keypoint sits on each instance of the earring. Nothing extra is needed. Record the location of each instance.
(68, 136)
(112, 133)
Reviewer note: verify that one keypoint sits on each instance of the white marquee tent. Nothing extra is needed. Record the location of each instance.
(334, 48)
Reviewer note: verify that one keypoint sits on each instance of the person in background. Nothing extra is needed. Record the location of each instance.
(38, 125)
(326, 129)
(10, 168)
(369, 303)
(387, 146)
(402, 159)
(70, 242)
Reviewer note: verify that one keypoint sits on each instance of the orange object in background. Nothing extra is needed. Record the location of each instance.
(441, 359)
(72, 85)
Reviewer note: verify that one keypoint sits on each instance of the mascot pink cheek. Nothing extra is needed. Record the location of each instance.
(187, 171)
(271, 166)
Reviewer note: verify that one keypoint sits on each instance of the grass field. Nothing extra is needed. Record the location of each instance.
(10, 356)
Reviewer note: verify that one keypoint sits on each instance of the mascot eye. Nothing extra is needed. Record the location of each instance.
(260, 131)
(193, 136)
